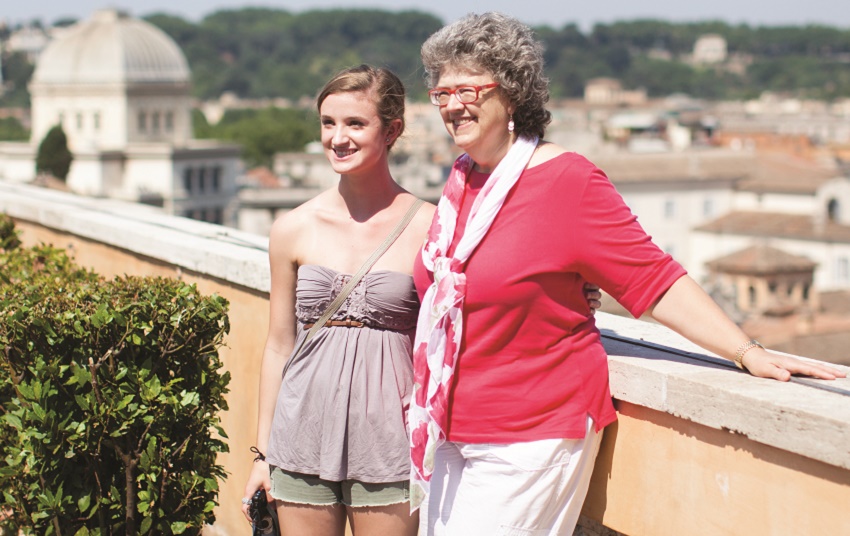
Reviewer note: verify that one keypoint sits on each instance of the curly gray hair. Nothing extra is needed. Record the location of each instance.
(505, 48)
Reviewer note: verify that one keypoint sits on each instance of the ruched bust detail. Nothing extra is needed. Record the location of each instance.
(382, 299)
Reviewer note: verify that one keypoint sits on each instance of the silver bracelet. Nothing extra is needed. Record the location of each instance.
(743, 349)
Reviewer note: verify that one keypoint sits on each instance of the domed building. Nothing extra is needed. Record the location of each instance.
(107, 79)
(120, 88)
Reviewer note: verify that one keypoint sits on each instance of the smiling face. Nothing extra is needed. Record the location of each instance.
(353, 137)
(479, 128)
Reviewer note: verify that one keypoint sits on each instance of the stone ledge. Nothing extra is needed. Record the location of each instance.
(650, 365)
(228, 254)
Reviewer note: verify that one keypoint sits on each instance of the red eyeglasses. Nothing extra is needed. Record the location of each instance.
(440, 96)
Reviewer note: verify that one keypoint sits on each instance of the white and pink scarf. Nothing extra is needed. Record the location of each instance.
(440, 324)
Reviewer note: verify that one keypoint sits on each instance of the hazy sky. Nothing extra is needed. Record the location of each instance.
(555, 13)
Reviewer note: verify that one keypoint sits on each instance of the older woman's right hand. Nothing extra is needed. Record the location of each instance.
(259, 479)
(765, 364)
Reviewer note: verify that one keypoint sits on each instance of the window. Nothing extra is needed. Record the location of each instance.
(833, 210)
(708, 208)
(669, 209)
(842, 270)
(202, 180)
(79, 121)
(143, 122)
(187, 180)
(216, 178)
(155, 122)
(96, 120)
(169, 121)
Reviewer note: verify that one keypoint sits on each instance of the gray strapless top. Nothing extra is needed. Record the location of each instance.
(341, 410)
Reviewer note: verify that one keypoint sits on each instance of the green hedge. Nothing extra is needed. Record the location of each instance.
(110, 394)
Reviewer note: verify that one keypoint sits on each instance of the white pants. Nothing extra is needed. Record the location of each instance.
(519, 489)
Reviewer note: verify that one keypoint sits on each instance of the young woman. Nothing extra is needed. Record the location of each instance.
(511, 379)
(333, 429)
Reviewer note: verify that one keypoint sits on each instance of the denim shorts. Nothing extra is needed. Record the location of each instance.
(298, 488)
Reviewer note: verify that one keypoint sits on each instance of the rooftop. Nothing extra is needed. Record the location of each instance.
(781, 173)
(700, 448)
(715, 164)
(762, 259)
(111, 47)
(778, 225)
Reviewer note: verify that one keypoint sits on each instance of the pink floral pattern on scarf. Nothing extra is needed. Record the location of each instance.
(440, 324)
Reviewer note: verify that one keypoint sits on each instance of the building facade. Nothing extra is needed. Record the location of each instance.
(120, 89)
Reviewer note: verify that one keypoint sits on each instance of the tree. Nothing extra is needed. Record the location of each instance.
(64, 22)
(17, 71)
(12, 130)
(53, 156)
(266, 52)
(262, 133)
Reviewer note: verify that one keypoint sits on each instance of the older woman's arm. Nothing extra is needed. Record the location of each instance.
(688, 310)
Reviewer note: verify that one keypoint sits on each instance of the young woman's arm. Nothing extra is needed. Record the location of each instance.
(279, 343)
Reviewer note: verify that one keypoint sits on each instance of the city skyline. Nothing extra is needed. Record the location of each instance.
(534, 12)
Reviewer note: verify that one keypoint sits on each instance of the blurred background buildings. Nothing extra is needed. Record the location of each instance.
(119, 88)
(752, 196)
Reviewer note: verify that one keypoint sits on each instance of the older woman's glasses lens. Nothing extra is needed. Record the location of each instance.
(440, 96)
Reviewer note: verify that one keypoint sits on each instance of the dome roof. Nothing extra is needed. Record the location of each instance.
(111, 47)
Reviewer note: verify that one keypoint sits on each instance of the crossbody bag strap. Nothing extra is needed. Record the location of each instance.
(355, 279)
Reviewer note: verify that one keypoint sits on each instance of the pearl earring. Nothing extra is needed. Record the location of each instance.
(511, 124)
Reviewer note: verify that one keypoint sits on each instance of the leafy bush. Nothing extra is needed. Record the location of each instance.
(8, 234)
(109, 399)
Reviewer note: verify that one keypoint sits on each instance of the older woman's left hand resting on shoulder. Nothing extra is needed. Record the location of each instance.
(688, 310)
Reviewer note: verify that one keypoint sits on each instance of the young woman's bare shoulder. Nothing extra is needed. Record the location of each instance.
(428, 208)
(422, 221)
(426, 213)
(289, 223)
(306, 214)
(289, 228)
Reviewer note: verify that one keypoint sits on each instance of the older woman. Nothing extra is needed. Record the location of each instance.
(510, 377)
